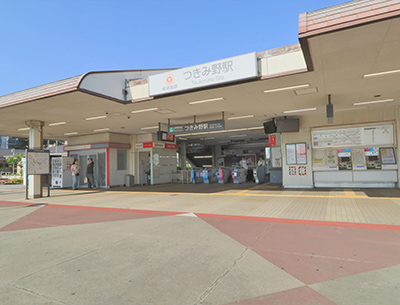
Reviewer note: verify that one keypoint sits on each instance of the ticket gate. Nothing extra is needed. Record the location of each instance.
(195, 174)
(204, 175)
(239, 175)
(223, 175)
(212, 175)
(255, 176)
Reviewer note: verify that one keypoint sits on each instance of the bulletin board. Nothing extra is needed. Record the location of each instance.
(37, 162)
(296, 153)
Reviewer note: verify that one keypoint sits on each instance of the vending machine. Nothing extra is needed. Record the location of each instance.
(61, 176)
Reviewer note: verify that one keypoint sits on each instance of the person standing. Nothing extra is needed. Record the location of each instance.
(261, 170)
(75, 174)
(89, 174)
(243, 163)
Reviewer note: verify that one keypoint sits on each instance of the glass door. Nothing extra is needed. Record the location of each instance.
(99, 171)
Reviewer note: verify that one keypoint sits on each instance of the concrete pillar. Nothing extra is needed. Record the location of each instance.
(214, 156)
(183, 151)
(35, 186)
(134, 160)
(397, 141)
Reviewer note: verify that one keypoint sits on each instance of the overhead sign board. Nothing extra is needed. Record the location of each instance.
(208, 74)
(197, 127)
(165, 136)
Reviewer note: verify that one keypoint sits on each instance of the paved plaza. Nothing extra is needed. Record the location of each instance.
(200, 244)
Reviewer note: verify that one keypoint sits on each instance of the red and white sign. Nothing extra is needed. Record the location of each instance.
(272, 140)
(156, 145)
(171, 146)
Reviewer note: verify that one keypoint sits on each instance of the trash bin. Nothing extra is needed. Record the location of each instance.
(129, 180)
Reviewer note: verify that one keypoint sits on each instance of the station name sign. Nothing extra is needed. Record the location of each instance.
(197, 127)
(208, 74)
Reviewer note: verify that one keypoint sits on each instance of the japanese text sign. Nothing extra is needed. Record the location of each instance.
(208, 74)
(197, 127)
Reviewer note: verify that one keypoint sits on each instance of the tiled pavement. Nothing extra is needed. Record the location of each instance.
(233, 245)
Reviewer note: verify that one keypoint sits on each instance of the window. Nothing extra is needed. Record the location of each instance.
(122, 159)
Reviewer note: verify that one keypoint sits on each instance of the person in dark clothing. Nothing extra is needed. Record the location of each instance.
(89, 174)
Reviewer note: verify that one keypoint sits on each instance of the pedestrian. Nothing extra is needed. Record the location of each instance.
(243, 163)
(89, 174)
(75, 174)
(261, 170)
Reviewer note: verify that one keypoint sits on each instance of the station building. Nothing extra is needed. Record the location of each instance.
(323, 112)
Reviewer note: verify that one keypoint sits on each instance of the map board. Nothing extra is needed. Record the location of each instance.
(337, 137)
(37, 162)
(355, 136)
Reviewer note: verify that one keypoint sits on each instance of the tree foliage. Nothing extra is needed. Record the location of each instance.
(15, 160)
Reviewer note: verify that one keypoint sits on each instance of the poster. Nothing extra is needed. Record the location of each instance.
(319, 158)
(276, 157)
(358, 159)
(290, 154)
(387, 155)
(251, 160)
(301, 153)
(331, 158)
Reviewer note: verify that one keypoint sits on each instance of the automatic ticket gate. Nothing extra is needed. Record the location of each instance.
(209, 175)
(223, 175)
(196, 175)
(239, 175)
(255, 176)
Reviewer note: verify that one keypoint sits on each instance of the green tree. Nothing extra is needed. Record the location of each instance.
(15, 160)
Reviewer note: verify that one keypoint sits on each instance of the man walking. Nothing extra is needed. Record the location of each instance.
(89, 174)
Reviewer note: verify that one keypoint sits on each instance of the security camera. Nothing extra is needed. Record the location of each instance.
(129, 116)
(106, 112)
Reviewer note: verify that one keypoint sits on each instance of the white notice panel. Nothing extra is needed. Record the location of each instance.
(380, 135)
(290, 154)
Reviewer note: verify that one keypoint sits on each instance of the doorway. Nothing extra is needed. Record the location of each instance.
(99, 171)
(144, 168)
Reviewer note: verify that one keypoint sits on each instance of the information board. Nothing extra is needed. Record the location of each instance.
(355, 136)
(290, 154)
(38, 162)
(378, 135)
(337, 137)
(296, 153)
(325, 159)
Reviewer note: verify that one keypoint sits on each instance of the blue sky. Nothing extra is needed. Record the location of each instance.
(48, 40)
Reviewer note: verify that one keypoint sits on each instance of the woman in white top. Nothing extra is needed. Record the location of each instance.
(75, 173)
